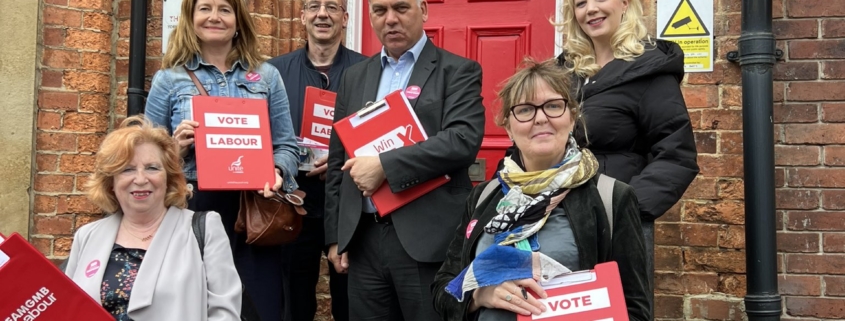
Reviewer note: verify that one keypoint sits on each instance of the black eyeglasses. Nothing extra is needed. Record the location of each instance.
(553, 108)
(331, 8)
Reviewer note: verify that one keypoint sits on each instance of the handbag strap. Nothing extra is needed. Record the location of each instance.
(196, 82)
(198, 225)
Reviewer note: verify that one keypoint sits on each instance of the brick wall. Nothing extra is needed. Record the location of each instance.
(700, 258)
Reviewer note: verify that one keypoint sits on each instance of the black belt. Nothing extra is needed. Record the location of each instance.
(378, 219)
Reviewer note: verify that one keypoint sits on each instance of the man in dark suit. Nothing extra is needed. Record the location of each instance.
(391, 261)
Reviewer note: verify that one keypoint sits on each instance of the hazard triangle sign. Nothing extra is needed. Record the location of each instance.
(685, 22)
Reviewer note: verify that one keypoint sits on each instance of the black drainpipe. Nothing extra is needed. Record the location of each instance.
(756, 57)
(137, 57)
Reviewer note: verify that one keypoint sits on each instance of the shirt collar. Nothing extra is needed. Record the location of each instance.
(196, 61)
(414, 51)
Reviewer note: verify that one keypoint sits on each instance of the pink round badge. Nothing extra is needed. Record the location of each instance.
(92, 268)
(253, 76)
(471, 227)
(412, 92)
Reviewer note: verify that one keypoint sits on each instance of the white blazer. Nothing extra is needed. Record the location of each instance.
(172, 281)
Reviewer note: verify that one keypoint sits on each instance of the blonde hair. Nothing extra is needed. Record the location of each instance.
(522, 86)
(118, 149)
(184, 43)
(578, 47)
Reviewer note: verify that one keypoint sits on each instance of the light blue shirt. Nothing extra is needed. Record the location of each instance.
(394, 76)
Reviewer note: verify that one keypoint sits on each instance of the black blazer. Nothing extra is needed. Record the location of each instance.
(586, 214)
(449, 108)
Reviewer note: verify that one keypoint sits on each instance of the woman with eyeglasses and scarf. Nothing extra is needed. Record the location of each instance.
(544, 210)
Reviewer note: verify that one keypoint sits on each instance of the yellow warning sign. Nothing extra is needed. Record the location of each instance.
(685, 22)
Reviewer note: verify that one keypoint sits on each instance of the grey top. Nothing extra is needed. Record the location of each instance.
(556, 240)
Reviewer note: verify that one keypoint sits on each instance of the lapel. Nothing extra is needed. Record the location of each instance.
(148, 273)
(423, 67)
(100, 242)
(370, 87)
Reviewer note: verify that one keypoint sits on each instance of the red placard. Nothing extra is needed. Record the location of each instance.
(34, 289)
(233, 143)
(318, 114)
(386, 125)
(584, 296)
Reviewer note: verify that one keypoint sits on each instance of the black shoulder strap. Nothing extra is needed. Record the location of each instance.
(198, 224)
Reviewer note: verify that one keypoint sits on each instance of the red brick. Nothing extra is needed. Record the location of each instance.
(834, 285)
(43, 245)
(722, 119)
(798, 242)
(95, 103)
(814, 133)
(666, 306)
(814, 8)
(81, 122)
(52, 224)
(97, 21)
(686, 283)
(834, 155)
(56, 2)
(816, 221)
(723, 73)
(81, 180)
(796, 70)
(53, 36)
(816, 307)
(833, 199)
(808, 285)
(815, 264)
(833, 112)
(44, 204)
(816, 49)
(50, 78)
(61, 246)
(833, 242)
(91, 4)
(833, 70)
(87, 81)
(729, 25)
(76, 163)
(46, 162)
(716, 309)
(720, 165)
(89, 143)
(732, 284)
(816, 91)
(55, 142)
(50, 183)
(793, 29)
(76, 204)
(731, 97)
(778, 91)
(833, 28)
(671, 215)
(800, 199)
(705, 142)
(55, 16)
(270, 7)
(797, 155)
(124, 9)
(731, 189)
(96, 61)
(153, 48)
(816, 177)
(795, 113)
(702, 188)
(54, 58)
(732, 237)
(667, 258)
(695, 119)
(58, 100)
(47, 120)
(667, 234)
(728, 212)
(88, 40)
(714, 260)
(700, 234)
(82, 220)
(700, 96)
(730, 142)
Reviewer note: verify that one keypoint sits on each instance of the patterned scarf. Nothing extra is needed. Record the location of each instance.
(531, 196)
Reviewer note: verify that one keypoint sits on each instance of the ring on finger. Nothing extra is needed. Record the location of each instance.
(508, 298)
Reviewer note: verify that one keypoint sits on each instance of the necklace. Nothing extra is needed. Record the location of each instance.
(143, 239)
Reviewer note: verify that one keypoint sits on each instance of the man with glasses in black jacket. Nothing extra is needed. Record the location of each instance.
(319, 64)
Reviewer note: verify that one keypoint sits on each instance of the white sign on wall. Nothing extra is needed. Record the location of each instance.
(689, 23)
(169, 19)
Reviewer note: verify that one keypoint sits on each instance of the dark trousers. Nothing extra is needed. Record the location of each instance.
(648, 233)
(385, 283)
(258, 266)
(302, 272)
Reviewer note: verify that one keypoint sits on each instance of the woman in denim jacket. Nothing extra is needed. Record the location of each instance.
(216, 40)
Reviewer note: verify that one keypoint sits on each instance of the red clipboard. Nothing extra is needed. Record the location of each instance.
(318, 114)
(383, 126)
(35, 289)
(584, 296)
(234, 149)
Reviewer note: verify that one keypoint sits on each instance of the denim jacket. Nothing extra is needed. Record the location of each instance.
(169, 99)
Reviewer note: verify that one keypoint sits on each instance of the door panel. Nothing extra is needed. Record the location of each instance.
(497, 34)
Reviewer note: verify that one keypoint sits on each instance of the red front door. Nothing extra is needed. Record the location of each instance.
(498, 34)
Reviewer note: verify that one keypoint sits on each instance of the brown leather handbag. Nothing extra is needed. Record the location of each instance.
(266, 221)
(270, 221)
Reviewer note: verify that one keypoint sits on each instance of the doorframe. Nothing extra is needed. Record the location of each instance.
(356, 11)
